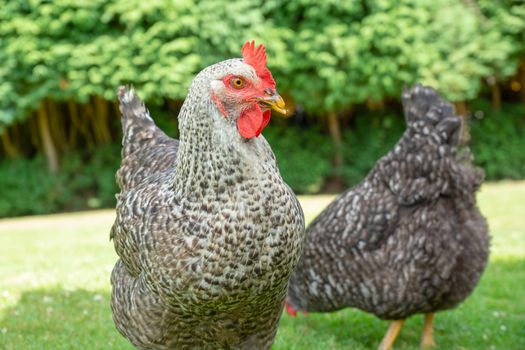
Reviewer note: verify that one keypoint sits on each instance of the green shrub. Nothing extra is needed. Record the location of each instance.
(85, 181)
(347, 52)
(498, 140)
(326, 54)
(90, 180)
(26, 187)
(372, 135)
(303, 156)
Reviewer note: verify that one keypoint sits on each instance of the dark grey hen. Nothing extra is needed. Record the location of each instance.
(409, 238)
(207, 231)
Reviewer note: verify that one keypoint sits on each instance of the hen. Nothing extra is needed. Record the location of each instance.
(207, 231)
(409, 238)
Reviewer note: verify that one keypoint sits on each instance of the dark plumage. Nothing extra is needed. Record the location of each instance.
(409, 238)
(207, 231)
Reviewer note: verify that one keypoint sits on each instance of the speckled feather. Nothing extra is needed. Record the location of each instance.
(409, 238)
(207, 231)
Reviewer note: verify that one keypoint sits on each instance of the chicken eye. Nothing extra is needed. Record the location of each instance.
(237, 82)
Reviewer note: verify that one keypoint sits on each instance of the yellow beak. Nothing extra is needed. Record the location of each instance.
(274, 101)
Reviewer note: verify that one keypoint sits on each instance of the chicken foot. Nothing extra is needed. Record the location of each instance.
(427, 339)
(391, 335)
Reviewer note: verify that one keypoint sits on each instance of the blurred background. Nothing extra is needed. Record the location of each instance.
(341, 66)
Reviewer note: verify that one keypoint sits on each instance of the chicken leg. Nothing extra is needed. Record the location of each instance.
(427, 339)
(391, 335)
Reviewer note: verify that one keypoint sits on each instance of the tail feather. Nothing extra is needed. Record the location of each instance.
(137, 125)
(146, 149)
(425, 107)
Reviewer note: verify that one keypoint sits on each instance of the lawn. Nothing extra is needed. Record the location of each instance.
(54, 288)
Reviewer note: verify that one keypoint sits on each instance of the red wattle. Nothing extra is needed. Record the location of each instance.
(252, 121)
(266, 120)
(290, 310)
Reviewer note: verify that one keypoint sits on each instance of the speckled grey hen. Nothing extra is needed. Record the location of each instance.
(409, 238)
(207, 231)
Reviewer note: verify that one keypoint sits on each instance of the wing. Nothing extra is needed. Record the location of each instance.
(360, 218)
(148, 158)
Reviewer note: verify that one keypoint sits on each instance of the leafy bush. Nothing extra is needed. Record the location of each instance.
(347, 52)
(86, 181)
(303, 156)
(91, 179)
(372, 136)
(27, 188)
(498, 140)
(327, 55)
(303, 153)
(74, 49)
(504, 19)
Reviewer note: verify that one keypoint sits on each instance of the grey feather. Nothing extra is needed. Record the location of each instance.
(207, 231)
(409, 238)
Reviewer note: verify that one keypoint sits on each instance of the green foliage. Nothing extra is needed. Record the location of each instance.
(87, 179)
(303, 156)
(506, 21)
(26, 188)
(327, 55)
(343, 53)
(76, 49)
(372, 136)
(498, 140)
(84, 182)
(225, 25)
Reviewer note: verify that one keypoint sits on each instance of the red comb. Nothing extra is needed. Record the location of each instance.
(256, 57)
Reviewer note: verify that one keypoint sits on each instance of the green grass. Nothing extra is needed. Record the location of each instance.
(54, 288)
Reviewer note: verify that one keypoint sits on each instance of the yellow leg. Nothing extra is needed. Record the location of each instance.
(391, 335)
(427, 340)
